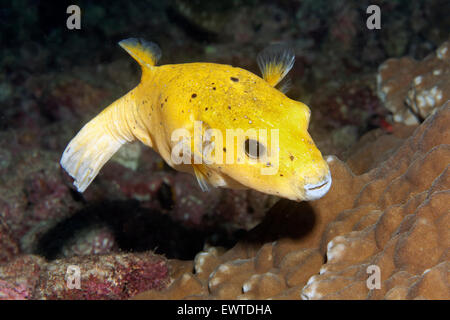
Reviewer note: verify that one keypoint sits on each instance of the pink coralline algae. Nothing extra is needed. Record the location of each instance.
(19, 278)
(118, 276)
(33, 195)
(8, 246)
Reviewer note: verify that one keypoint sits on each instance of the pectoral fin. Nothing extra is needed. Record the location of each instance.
(285, 85)
(201, 178)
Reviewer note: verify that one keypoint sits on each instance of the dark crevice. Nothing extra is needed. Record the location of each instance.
(194, 31)
(135, 229)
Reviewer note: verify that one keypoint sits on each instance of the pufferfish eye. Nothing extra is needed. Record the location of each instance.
(254, 149)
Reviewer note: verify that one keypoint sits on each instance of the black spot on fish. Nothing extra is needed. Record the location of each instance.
(224, 149)
(206, 109)
(214, 88)
(234, 79)
(291, 157)
(162, 105)
(165, 100)
(229, 107)
(281, 175)
(194, 95)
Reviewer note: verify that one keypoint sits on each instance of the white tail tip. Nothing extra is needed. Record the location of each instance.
(87, 152)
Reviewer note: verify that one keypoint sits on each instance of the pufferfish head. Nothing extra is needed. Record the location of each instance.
(265, 142)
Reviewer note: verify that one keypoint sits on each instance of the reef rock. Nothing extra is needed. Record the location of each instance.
(394, 218)
(117, 276)
(20, 277)
(412, 89)
(8, 246)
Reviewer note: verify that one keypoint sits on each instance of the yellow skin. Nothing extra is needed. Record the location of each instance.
(171, 97)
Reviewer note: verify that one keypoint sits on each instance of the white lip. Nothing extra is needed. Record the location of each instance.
(318, 190)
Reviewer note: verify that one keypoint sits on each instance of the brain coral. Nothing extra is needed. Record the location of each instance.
(394, 216)
(411, 89)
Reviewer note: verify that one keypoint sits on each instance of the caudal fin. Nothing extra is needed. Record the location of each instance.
(100, 138)
(94, 145)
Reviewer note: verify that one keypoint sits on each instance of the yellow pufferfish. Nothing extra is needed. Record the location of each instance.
(174, 96)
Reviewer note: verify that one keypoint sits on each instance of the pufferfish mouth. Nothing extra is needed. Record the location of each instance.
(318, 190)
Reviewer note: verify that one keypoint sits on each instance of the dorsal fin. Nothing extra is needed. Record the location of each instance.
(146, 53)
(275, 62)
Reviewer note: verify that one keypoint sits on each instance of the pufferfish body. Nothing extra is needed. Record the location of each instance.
(238, 130)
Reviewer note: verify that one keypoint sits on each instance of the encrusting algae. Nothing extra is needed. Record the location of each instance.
(227, 126)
